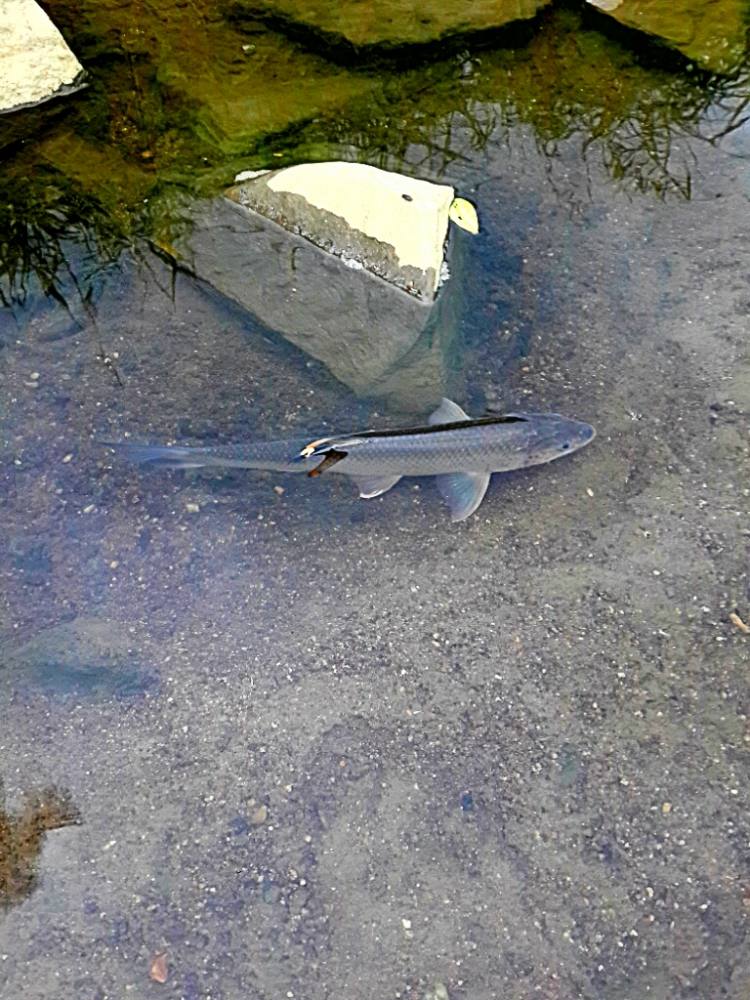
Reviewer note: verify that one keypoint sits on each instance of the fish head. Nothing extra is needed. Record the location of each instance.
(548, 436)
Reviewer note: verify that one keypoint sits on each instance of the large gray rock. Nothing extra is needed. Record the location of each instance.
(35, 62)
(373, 336)
(392, 225)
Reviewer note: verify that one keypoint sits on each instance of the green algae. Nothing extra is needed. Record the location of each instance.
(186, 85)
(394, 22)
(714, 34)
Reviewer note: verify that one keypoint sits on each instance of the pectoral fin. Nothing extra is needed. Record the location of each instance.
(373, 486)
(447, 413)
(463, 492)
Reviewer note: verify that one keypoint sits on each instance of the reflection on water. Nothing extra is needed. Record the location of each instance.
(57, 240)
(171, 106)
(619, 105)
(22, 838)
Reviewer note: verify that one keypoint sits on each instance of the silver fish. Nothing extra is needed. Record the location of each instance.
(460, 452)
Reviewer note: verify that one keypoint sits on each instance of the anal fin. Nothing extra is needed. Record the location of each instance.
(463, 491)
(373, 486)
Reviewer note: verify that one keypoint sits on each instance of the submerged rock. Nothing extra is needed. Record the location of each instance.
(345, 261)
(393, 226)
(713, 34)
(396, 22)
(35, 62)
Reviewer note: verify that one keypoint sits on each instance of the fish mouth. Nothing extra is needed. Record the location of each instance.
(588, 433)
(584, 434)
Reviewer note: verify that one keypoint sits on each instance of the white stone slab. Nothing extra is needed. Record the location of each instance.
(391, 224)
(35, 61)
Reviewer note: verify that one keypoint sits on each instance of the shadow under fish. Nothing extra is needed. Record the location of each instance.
(462, 453)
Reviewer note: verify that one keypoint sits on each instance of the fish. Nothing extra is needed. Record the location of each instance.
(461, 453)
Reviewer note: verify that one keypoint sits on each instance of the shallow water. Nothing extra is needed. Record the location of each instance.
(321, 746)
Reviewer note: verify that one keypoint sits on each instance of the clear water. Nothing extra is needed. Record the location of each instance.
(324, 747)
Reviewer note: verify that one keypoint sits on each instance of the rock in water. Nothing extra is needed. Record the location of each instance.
(392, 225)
(345, 261)
(390, 23)
(35, 62)
(713, 34)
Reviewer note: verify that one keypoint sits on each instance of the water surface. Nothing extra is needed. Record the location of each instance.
(321, 746)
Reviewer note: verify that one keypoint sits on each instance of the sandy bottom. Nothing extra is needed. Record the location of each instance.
(327, 748)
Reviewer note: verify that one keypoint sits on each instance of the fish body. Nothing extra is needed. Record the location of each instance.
(462, 453)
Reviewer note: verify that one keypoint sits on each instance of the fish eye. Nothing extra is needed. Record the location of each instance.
(566, 446)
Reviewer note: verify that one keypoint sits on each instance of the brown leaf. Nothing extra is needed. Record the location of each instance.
(158, 968)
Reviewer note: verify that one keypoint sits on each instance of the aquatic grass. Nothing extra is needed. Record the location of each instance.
(173, 111)
(42, 217)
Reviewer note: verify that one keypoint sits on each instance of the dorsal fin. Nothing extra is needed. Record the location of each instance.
(447, 413)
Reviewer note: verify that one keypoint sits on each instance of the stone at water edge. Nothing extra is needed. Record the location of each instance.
(371, 314)
(392, 225)
(713, 34)
(393, 22)
(35, 62)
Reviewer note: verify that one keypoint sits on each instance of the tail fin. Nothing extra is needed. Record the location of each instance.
(159, 455)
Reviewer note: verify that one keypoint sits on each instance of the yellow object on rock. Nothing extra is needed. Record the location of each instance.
(463, 213)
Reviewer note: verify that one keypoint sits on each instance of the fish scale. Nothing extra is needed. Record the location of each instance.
(484, 448)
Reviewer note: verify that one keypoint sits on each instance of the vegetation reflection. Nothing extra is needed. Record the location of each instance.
(181, 102)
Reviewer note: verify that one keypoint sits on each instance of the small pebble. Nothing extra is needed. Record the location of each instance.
(279, 490)
(589, 491)
(259, 815)
(158, 969)
(68, 458)
(35, 376)
(89, 508)
(438, 992)
(192, 508)
(666, 808)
